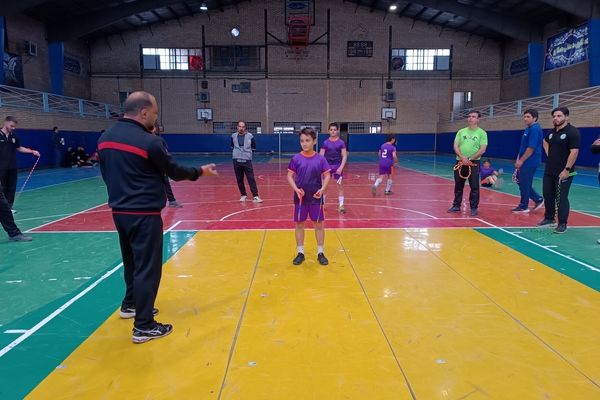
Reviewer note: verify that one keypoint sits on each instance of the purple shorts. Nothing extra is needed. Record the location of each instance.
(315, 210)
(386, 169)
(334, 174)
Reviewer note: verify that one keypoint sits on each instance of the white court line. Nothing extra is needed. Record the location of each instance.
(173, 226)
(69, 216)
(15, 331)
(56, 312)
(60, 309)
(350, 204)
(541, 246)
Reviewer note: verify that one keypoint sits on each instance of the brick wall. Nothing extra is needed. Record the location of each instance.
(555, 81)
(36, 69)
(298, 90)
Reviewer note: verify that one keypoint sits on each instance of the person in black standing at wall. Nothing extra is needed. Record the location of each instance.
(562, 148)
(173, 203)
(242, 146)
(9, 145)
(133, 163)
(58, 142)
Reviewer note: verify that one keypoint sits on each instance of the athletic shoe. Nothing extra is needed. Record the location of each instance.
(257, 199)
(299, 259)
(20, 238)
(520, 210)
(374, 190)
(454, 209)
(546, 222)
(538, 205)
(14, 211)
(388, 192)
(473, 212)
(129, 312)
(342, 209)
(560, 228)
(175, 204)
(243, 198)
(322, 259)
(598, 241)
(143, 335)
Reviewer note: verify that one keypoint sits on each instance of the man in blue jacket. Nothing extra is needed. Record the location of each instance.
(528, 160)
(133, 163)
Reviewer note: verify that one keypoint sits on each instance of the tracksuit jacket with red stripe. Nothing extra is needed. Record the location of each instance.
(133, 163)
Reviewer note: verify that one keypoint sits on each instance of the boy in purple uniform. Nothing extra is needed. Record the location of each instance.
(387, 159)
(334, 151)
(304, 176)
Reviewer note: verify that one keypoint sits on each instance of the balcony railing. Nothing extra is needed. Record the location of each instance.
(52, 103)
(580, 98)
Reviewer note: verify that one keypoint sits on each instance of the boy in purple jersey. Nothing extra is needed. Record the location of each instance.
(304, 176)
(334, 151)
(387, 159)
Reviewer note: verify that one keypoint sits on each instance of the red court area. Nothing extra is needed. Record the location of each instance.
(419, 200)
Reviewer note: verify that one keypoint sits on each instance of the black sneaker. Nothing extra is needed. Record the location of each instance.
(518, 209)
(20, 238)
(454, 209)
(322, 259)
(546, 222)
(473, 212)
(560, 228)
(129, 312)
(299, 259)
(159, 330)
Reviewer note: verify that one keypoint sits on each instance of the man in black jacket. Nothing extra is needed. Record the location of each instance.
(562, 148)
(133, 163)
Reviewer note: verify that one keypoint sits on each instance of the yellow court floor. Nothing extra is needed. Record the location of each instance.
(397, 314)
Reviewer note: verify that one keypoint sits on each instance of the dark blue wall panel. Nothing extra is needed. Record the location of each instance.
(41, 140)
(505, 144)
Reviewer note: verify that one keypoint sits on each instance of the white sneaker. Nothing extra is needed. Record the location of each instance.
(257, 199)
(243, 198)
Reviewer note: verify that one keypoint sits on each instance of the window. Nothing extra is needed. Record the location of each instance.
(169, 59)
(420, 59)
(234, 58)
(230, 127)
(295, 127)
(364, 127)
(462, 100)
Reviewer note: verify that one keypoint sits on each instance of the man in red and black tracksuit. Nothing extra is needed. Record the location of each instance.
(133, 163)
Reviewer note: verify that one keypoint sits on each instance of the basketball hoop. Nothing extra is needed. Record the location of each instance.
(298, 30)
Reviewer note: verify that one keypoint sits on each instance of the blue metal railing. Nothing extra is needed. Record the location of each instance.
(52, 103)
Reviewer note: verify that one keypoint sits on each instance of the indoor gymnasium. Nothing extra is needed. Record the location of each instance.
(300, 199)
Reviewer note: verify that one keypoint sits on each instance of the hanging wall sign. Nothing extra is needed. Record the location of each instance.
(566, 48)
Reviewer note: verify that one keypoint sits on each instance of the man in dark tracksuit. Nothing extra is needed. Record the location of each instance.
(8, 221)
(9, 145)
(133, 163)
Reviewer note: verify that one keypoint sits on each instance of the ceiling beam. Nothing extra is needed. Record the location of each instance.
(579, 8)
(406, 7)
(430, 20)
(506, 25)
(16, 7)
(85, 24)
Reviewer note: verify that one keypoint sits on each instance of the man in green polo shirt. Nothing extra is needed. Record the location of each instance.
(469, 145)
